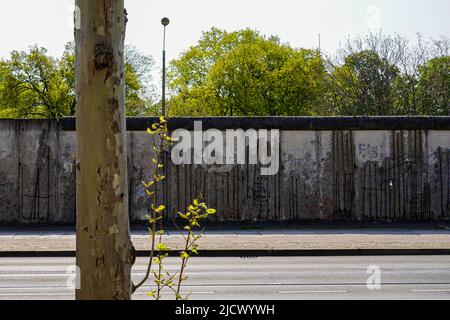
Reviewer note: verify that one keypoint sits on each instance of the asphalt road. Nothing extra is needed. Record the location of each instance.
(269, 278)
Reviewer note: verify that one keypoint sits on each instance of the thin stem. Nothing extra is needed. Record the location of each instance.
(184, 261)
(153, 224)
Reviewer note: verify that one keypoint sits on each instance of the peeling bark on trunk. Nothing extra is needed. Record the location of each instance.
(104, 250)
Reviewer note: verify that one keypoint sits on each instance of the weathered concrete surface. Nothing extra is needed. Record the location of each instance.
(327, 172)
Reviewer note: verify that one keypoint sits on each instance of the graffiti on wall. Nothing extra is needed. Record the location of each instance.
(396, 175)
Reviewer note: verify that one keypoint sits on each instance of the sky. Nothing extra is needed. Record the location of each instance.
(49, 23)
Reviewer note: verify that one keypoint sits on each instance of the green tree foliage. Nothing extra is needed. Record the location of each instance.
(246, 73)
(32, 85)
(363, 85)
(36, 85)
(400, 77)
(434, 86)
(139, 90)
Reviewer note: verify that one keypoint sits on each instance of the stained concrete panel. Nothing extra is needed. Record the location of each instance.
(339, 174)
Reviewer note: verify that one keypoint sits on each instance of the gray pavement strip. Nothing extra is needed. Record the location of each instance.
(262, 242)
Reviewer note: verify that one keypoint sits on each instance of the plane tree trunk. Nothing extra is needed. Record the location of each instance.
(105, 253)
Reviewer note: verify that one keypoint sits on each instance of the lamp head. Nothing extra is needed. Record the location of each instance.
(165, 22)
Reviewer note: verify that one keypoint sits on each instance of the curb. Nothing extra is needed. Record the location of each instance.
(251, 253)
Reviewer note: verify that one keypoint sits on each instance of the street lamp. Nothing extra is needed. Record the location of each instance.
(165, 22)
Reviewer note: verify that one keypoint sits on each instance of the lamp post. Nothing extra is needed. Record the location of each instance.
(165, 22)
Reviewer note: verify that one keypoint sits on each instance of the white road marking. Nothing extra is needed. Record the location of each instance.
(48, 275)
(313, 291)
(183, 293)
(49, 294)
(430, 290)
(42, 275)
(36, 294)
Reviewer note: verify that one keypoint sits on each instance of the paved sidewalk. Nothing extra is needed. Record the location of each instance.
(60, 239)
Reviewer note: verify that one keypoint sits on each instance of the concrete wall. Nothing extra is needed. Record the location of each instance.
(331, 169)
